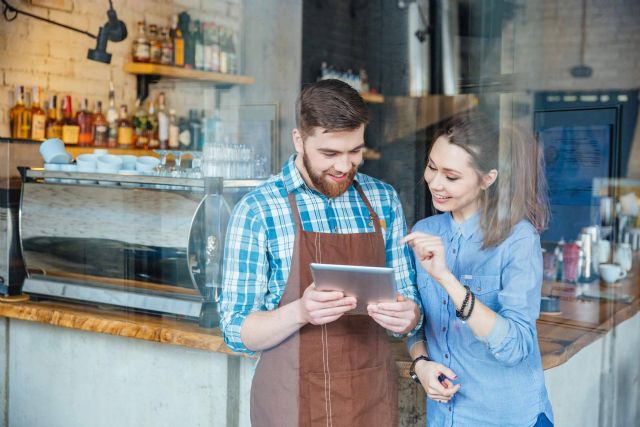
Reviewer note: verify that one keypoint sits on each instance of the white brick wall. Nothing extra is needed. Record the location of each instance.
(36, 53)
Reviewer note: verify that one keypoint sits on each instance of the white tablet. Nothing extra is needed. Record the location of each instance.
(369, 285)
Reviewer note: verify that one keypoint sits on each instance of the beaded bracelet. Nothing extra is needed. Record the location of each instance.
(460, 313)
(473, 302)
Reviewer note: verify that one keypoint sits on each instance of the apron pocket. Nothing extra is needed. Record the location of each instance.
(355, 398)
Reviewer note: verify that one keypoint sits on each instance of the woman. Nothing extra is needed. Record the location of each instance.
(479, 267)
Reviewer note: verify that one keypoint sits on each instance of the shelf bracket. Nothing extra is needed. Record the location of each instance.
(142, 85)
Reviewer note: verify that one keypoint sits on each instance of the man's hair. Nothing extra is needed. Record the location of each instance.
(330, 104)
(520, 191)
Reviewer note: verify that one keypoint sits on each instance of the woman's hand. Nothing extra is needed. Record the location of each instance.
(429, 252)
(430, 374)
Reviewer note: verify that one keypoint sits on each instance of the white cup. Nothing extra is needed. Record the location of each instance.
(147, 164)
(69, 167)
(611, 273)
(129, 162)
(108, 163)
(52, 151)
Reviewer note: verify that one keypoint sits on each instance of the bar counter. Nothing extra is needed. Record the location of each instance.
(582, 321)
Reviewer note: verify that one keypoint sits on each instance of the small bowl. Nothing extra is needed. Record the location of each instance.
(69, 167)
(109, 163)
(129, 162)
(147, 163)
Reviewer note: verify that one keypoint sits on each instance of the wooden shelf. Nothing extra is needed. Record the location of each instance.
(168, 71)
(372, 98)
(75, 150)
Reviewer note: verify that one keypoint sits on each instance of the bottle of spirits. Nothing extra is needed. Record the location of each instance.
(178, 49)
(167, 47)
(174, 132)
(155, 45)
(125, 130)
(199, 45)
(141, 46)
(38, 117)
(20, 117)
(83, 117)
(140, 123)
(184, 137)
(215, 47)
(224, 58)
(163, 122)
(152, 127)
(70, 128)
(100, 127)
(186, 27)
(195, 127)
(54, 124)
(112, 119)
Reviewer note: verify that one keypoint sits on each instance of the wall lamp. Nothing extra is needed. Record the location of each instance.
(114, 30)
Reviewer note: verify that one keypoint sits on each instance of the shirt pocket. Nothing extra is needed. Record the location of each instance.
(486, 289)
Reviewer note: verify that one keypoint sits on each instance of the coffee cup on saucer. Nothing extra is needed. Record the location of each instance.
(611, 273)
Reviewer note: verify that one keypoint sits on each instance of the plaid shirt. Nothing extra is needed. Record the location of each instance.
(261, 233)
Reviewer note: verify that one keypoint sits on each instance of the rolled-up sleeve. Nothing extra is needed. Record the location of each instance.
(513, 336)
(245, 273)
(399, 257)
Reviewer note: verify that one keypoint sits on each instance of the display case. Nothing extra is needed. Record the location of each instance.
(149, 243)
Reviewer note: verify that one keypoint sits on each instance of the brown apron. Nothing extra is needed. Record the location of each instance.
(338, 374)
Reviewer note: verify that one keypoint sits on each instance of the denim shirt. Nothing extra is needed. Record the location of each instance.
(501, 375)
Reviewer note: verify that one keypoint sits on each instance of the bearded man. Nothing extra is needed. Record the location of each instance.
(318, 366)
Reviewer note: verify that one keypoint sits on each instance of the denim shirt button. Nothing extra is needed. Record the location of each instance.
(446, 355)
(449, 408)
(454, 250)
(444, 329)
(444, 302)
(478, 289)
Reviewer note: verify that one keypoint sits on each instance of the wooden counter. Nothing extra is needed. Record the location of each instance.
(560, 336)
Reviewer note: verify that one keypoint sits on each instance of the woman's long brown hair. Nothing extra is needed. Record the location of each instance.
(520, 190)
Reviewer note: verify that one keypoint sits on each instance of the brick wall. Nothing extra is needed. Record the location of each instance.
(33, 52)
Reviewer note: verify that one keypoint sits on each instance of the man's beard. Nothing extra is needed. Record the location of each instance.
(321, 181)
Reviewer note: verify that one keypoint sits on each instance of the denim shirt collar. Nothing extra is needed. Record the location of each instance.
(469, 229)
(293, 179)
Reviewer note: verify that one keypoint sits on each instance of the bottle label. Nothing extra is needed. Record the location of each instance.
(142, 52)
(125, 136)
(185, 138)
(163, 127)
(101, 135)
(179, 53)
(174, 132)
(70, 134)
(38, 122)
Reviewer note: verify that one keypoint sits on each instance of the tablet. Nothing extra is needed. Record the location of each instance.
(369, 285)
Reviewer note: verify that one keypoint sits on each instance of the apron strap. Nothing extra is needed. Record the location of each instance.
(295, 212)
(372, 214)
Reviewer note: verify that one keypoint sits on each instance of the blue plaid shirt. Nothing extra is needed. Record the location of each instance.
(261, 233)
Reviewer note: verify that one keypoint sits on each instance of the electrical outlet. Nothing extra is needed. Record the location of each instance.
(64, 5)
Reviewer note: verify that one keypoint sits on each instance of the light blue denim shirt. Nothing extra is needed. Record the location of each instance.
(501, 375)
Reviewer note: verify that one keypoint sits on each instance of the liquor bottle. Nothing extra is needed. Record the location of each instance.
(167, 47)
(195, 128)
(184, 136)
(152, 127)
(190, 46)
(155, 45)
(38, 117)
(70, 128)
(141, 46)
(174, 132)
(125, 131)
(20, 117)
(100, 127)
(83, 117)
(54, 124)
(199, 45)
(178, 49)
(232, 57)
(215, 47)
(224, 63)
(163, 122)
(140, 123)
(112, 119)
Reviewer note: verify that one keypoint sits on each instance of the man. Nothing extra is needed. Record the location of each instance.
(318, 366)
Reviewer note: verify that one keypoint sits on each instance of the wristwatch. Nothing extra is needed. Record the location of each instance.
(412, 372)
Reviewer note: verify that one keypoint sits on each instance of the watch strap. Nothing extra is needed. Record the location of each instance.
(412, 371)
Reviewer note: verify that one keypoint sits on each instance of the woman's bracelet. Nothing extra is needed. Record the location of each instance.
(460, 313)
(473, 303)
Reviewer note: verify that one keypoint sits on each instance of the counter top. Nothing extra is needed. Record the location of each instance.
(581, 322)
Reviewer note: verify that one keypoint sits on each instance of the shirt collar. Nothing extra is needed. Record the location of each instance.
(469, 228)
(293, 179)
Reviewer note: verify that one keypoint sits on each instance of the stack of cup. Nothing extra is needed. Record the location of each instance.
(54, 155)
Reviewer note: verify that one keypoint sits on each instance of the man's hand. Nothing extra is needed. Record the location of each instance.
(399, 317)
(320, 307)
